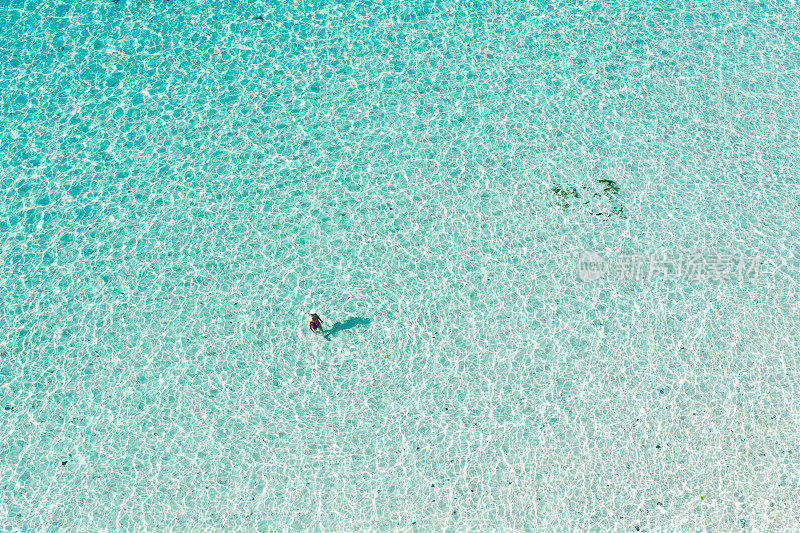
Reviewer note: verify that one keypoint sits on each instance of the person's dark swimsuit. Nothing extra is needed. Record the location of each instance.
(315, 323)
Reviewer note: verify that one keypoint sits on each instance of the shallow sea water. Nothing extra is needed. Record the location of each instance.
(181, 182)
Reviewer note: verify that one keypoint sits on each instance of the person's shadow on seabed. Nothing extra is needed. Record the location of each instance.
(350, 323)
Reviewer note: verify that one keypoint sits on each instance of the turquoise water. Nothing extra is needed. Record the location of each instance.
(181, 182)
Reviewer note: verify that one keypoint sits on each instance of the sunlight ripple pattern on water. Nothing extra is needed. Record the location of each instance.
(182, 181)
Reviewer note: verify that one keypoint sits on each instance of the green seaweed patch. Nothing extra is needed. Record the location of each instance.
(618, 211)
(603, 204)
(563, 194)
(610, 187)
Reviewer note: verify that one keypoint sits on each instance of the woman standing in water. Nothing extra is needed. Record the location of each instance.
(315, 324)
